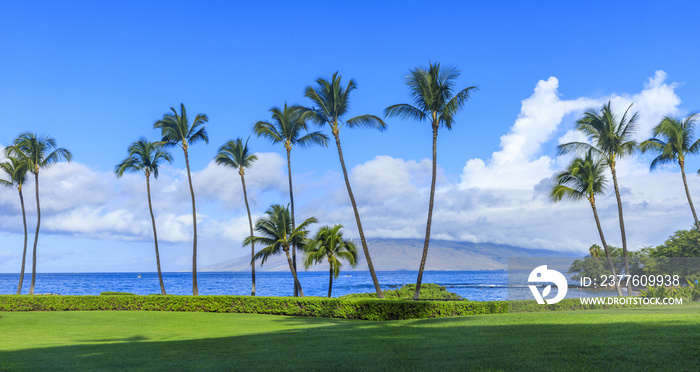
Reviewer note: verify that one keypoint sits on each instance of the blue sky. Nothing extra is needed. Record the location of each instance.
(96, 75)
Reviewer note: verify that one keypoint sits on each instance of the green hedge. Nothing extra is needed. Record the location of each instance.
(367, 309)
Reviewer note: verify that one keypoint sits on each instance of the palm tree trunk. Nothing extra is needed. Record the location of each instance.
(24, 253)
(250, 222)
(294, 273)
(687, 193)
(291, 200)
(357, 217)
(330, 281)
(622, 228)
(605, 246)
(195, 288)
(155, 234)
(430, 215)
(36, 233)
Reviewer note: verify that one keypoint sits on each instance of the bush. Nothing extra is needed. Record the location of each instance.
(428, 291)
(367, 309)
(116, 294)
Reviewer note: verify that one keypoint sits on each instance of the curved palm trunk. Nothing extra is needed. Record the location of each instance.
(294, 272)
(605, 245)
(155, 234)
(36, 233)
(430, 216)
(291, 200)
(195, 288)
(357, 217)
(622, 228)
(24, 253)
(252, 245)
(687, 193)
(330, 281)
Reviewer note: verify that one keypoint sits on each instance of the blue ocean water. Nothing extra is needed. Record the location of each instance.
(472, 285)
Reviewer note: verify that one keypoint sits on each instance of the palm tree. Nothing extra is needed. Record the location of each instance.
(673, 140)
(177, 130)
(612, 138)
(584, 179)
(332, 101)
(594, 251)
(16, 171)
(37, 152)
(278, 236)
(144, 156)
(235, 154)
(288, 127)
(433, 100)
(329, 244)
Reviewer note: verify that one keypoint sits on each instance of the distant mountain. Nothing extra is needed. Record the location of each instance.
(405, 254)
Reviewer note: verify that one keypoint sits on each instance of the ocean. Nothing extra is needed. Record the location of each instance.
(472, 285)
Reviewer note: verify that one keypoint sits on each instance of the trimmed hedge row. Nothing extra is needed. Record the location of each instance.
(367, 309)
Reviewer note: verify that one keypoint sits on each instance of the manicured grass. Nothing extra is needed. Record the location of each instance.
(125, 340)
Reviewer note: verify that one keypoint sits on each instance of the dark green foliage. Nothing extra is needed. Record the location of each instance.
(427, 292)
(366, 309)
(594, 267)
(116, 294)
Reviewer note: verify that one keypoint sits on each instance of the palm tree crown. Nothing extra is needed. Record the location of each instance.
(144, 156)
(276, 233)
(584, 178)
(37, 151)
(176, 128)
(235, 154)
(672, 141)
(16, 171)
(288, 127)
(332, 102)
(328, 244)
(432, 92)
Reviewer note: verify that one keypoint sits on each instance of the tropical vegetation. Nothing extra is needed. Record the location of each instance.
(329, 244)
(434, 100)
(277, 235)
(145, 157)
(16, 172)
(331, 102)
(289, 127)
(235, 154)
(611, 138)
(176, 129)
(37, 153)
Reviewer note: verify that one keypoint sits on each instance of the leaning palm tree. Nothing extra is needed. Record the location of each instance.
(432, 91)
(277, 235)
(36, 152)
(328, 244)
(177, 130)
(673, 141)
(16, 171)
(584, 179)
(612, 138)
(235, 154)
(144, 156)
(288, 126)
(332, 102)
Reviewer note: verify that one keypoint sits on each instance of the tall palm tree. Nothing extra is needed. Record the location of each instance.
(144, 156)
(612, 138)
(673, 141)
(432, 90)
(332, 102)
(329, 244)
(277, 235)
(16, 171)
(235, 154)
(288, 127)
(584, 179)
(37, 152)
(177, 130)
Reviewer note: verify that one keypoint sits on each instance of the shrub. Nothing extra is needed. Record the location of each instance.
(428, 291)
(116, 294)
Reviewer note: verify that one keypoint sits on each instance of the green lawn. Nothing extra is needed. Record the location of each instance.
(582, 340)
